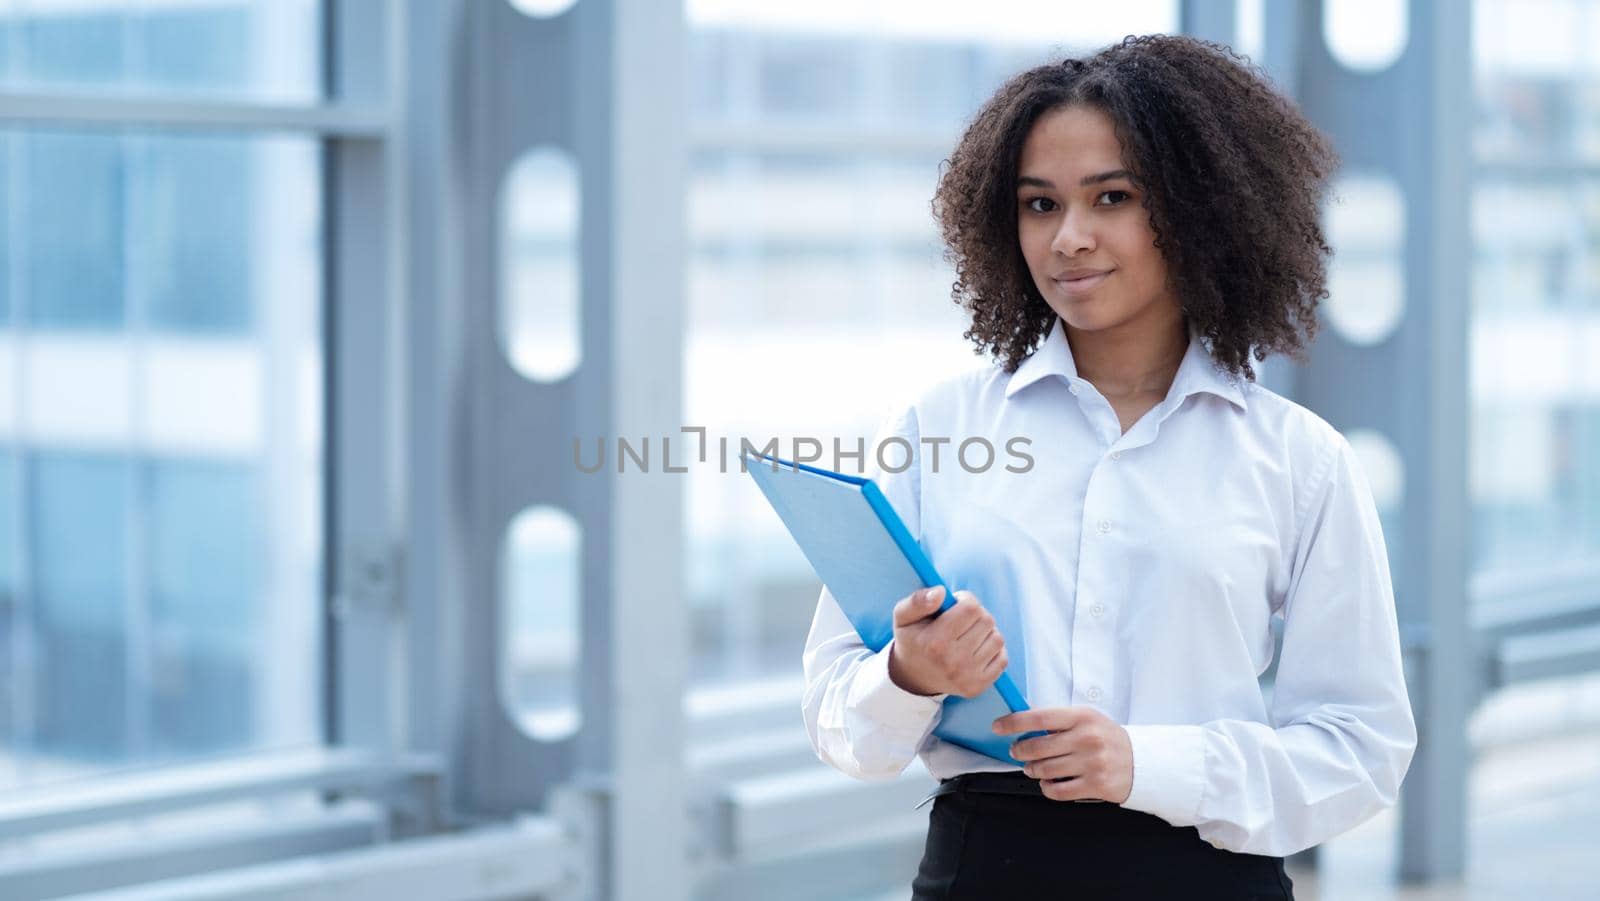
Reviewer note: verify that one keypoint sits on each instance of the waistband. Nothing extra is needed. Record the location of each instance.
(1008, 783)
(1015, 795)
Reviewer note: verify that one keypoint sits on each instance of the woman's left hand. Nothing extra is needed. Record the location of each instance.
(1086, 757)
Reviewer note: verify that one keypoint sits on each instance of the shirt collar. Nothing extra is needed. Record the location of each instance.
(1197, 373)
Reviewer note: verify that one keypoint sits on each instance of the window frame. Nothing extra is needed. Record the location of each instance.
(359, 130)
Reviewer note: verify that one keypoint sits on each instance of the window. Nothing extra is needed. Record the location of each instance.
(161, 446)
(1535, 328)
(238, 49)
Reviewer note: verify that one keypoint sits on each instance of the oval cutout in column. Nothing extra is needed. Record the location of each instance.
(1366, 226)
(542, 9)
(539, 646)
(1384, 468)
(1367, 36)
(538, 233)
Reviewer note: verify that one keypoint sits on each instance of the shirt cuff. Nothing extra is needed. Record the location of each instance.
(1168, 772)
(875, 696)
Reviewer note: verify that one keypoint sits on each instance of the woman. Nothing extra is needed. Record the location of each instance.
(1128, 230)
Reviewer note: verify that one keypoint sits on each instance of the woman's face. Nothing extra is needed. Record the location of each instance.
(1084, 233)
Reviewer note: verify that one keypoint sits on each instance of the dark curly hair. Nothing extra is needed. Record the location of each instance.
(1232, 177)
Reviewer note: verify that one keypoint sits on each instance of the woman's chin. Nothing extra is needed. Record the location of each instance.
(1087, 316)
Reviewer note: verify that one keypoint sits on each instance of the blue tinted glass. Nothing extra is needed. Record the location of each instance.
(8, 541)
(206, 538)
(808, 77)
(5, 216)
(195, 201)
(80, 555)
(10, 632)
(158, 230)
(80, 48)
(931, 84)
(74, 208)
(263, 49)
(207, 46)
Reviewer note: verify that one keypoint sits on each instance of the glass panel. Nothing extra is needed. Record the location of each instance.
(1534, 77)
(1019, 23)
(7, 213)
(11, 637)
(256, 49)
(161, 410)
(1535, 327)
(74, 263)
(163, 220)
(204, 619)
(192, 245)
(81, 548)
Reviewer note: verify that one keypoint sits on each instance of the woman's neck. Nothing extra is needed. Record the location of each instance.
(1134, 359)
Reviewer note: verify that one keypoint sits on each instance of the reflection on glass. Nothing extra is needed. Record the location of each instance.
(254, 49)
(540, 596)
(160, 430)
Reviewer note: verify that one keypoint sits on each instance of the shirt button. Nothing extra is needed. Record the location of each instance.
(1094, 693)
(1098, 610)
(1073, 388)
(1116, 455)
(1216, 844)
(1104, 526)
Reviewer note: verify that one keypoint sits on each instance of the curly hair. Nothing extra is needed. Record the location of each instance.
(1232, 176)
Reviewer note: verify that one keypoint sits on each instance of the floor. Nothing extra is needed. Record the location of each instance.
(1533, 833)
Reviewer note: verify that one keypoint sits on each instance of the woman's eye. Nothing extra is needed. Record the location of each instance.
(1119, 195)
(1035, 204)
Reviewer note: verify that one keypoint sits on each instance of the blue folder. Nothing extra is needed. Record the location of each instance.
(863, 552)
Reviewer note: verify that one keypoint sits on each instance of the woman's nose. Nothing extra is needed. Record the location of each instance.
(1073, 236)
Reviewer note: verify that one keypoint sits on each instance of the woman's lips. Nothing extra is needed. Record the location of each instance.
(1083, 285)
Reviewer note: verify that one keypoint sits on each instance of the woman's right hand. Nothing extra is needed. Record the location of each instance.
(959, 652)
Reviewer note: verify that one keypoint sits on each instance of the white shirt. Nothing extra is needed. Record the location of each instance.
(1146, 568)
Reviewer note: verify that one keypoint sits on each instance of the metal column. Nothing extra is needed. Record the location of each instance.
(1410, 122)
(602, 81)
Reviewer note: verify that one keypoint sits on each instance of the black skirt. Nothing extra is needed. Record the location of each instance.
(993, 836)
